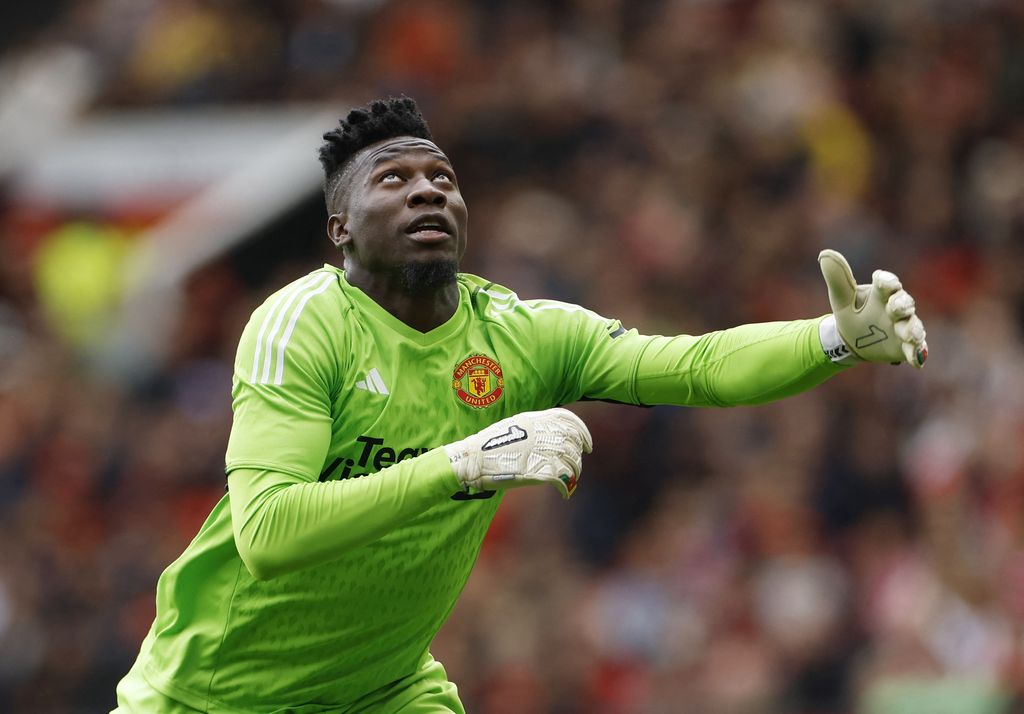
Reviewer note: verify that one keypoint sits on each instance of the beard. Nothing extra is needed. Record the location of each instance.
(417, 278)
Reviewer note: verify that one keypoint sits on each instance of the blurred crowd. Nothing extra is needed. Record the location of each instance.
(676, 164)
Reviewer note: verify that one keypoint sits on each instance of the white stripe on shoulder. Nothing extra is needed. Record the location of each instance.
(268, 348)
(502, 302)
(283, 344)
(559, 305)
(284, 295)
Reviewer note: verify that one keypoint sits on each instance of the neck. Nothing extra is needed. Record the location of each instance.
(422, 309)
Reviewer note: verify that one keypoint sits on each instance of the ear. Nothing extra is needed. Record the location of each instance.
(337, 230)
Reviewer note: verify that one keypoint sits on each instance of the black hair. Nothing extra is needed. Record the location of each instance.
(379, 120)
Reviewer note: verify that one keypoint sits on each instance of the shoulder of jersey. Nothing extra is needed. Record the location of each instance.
(311, 291)
(496, 302)
(277, 325)
(489, 300)
(316, 294)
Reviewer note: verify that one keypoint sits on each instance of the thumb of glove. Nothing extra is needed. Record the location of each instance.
(842, 288)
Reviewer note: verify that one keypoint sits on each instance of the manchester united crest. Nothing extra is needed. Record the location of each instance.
(478, 381)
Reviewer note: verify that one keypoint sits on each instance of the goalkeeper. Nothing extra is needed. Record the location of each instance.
(381, 411)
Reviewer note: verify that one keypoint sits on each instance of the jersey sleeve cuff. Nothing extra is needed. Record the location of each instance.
(437, 462)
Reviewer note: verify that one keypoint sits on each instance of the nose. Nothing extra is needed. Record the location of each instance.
(425, 192)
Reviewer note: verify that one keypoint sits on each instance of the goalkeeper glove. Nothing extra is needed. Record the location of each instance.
(522, 450)
(874, 323)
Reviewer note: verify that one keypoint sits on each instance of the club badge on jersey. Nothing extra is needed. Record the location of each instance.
(478, 381)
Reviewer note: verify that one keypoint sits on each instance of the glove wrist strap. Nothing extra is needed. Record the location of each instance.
(833, 344)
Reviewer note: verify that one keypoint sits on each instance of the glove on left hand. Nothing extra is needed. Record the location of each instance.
(876, 322)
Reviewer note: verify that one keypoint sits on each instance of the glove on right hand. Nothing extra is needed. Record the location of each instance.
(522, 450)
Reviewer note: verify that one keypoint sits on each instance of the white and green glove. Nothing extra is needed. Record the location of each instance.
(873, 323)
(522, 450)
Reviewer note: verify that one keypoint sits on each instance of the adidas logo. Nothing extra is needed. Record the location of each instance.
(373, 383)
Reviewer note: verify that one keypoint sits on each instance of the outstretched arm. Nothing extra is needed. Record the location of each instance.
(756, 363)
(749, 364)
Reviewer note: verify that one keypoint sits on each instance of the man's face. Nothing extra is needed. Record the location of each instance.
(401, 207)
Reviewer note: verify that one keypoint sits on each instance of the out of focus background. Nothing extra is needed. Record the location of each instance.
(676, 164)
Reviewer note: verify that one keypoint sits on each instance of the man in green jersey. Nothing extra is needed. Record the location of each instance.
(381, 410)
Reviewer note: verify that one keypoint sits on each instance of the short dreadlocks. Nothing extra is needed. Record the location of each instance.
(379, 120)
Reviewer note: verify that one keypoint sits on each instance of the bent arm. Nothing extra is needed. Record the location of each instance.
(283, 523)
(749, 364)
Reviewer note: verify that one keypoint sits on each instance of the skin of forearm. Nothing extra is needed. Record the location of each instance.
(282, 523)
(749, 364)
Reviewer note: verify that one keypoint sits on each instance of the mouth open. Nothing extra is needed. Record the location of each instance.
(433, 228)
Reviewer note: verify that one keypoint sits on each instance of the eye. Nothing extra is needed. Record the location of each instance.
(444, 176)
(389, 177)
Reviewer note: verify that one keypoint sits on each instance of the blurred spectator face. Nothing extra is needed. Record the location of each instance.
(401, 206)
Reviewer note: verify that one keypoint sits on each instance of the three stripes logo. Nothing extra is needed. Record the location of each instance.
(276, 331)
(373, 383)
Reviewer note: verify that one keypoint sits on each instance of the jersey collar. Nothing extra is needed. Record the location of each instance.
(365, 304)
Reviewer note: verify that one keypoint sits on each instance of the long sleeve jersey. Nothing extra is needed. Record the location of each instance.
(344, 541)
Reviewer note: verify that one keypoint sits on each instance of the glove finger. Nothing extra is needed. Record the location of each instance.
(916, 355)
(569, 453)
(900, 305)
(568, 477)
(910, 330)
(575, 427)
(922, 355)
(573, 457)
(909, 352)
(588, 440)
(573, 463)
(573, 439)
(838, 278)
(912, 334)
(885, 283)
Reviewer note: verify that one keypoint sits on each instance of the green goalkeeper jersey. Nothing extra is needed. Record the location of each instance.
(332, 391)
